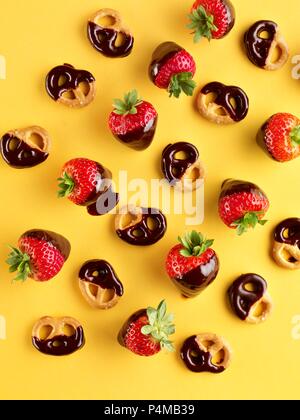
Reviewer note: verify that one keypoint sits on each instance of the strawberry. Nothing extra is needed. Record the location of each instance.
(82, 181)
(146, 332)
(173, 68)
(280, 137)
(40, 255)
(212, 19)
(192, 264)
(242, 205)
(133, 121)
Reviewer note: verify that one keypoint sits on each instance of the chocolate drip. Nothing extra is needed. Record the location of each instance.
(56, 240)
(173, 168)
(288, 232)
(18, 154)
(123, 332)
(161, 56)
(141, 138)
(61, 345)
(101, 273)
(258, 48)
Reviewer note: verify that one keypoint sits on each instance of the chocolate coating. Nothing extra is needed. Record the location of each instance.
(140, 234)
(163, 53)
(61, 345)
(258, 48)
(106, 202)
(196, 359)
(122, 334)
(197, 280)
(232, 186)
(56, 240)
(104, 41)
(72, 76)
(141, 138)
(224, 95)
(106, 276)
(21, 155)
(288, 232)
(173, 168)
(241, 299)
(230, 16)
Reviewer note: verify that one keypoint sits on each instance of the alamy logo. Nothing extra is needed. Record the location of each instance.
(2, 328)
(2, 67)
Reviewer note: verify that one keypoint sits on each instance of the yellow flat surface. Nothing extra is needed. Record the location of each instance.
(35, 37)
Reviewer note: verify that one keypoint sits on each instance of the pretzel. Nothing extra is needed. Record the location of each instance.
(278, 42)
(57, 343)
(103, 39)
(286, 245)
(266, 303)
(282, 253)
(215, 345)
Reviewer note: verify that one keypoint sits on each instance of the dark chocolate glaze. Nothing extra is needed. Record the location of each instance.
(146, 236)
(288, 232)
(61, 345)
(196, 359)
(232, 186)
(230, 16)
(103, 183)
(123, 332)
(197, 280)
(241, 299)
(163, 53)
(107, 201)
(174, 169)
(21, 155)
(141, 138)
(258, 48)
(104, 41)
(73, 78)
(56, 240)
(106, 276)
(224, 94)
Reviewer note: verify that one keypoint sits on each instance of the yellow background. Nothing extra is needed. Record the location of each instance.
(36, 36)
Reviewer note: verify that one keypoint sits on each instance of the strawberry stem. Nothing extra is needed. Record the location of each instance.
(202, 24)
(182, 82)
(295, 135)
(249, 220)
(19, 262)
(160, 326)
(194, 244)
(128, 105)
(66, 185)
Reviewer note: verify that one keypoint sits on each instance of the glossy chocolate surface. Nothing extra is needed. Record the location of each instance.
(104, 41)
(196, 359)
(71, 80)
(141, 138)
(102, 184)
(163, 53)
(241, 299)
(140, 234)
(107, 201)
(58, 241)
(195, 281)
(18, 154)
(224, 96)
(288, 232)
(258, 48)
(122, 334)
(101, 273)
(232, 186)
(61, 345)
(174, 168)
(230, 15)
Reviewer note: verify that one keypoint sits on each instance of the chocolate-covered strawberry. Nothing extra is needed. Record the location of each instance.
(40, 255)
(242, 205)
(192, 264)
(280, 137)
(146, 332)
(88, 183)
(133, 121)
(212, 19)
(173, 68)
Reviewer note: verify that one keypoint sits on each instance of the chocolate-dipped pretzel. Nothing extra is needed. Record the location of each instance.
(199, 351)
(186, 171)
(58, 343)
(138, 230)
(286, 245)
(99, 284)
(103, 39)
(260, 49)
(20, 151)
(67, 85)
(246, 295)
(229, 104)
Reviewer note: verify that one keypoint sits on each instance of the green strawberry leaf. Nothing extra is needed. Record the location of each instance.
(194, 244)
(19, 262)
(249, 220)
(129, 104)
(147, 329)
(295, 136)
(182, 82)
(201, 24)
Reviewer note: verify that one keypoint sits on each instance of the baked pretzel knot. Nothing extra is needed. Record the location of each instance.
(279, 44)
(286, 245)
(213, 344)
(57, 326)
(116, 20)
(287, 256)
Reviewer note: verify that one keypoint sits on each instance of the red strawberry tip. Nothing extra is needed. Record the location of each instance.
(194, 244)
(66, 185)
(249, 220)
(182, 82)
(128, 105)
(160, 326)
(19, 262)
(202, 24)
